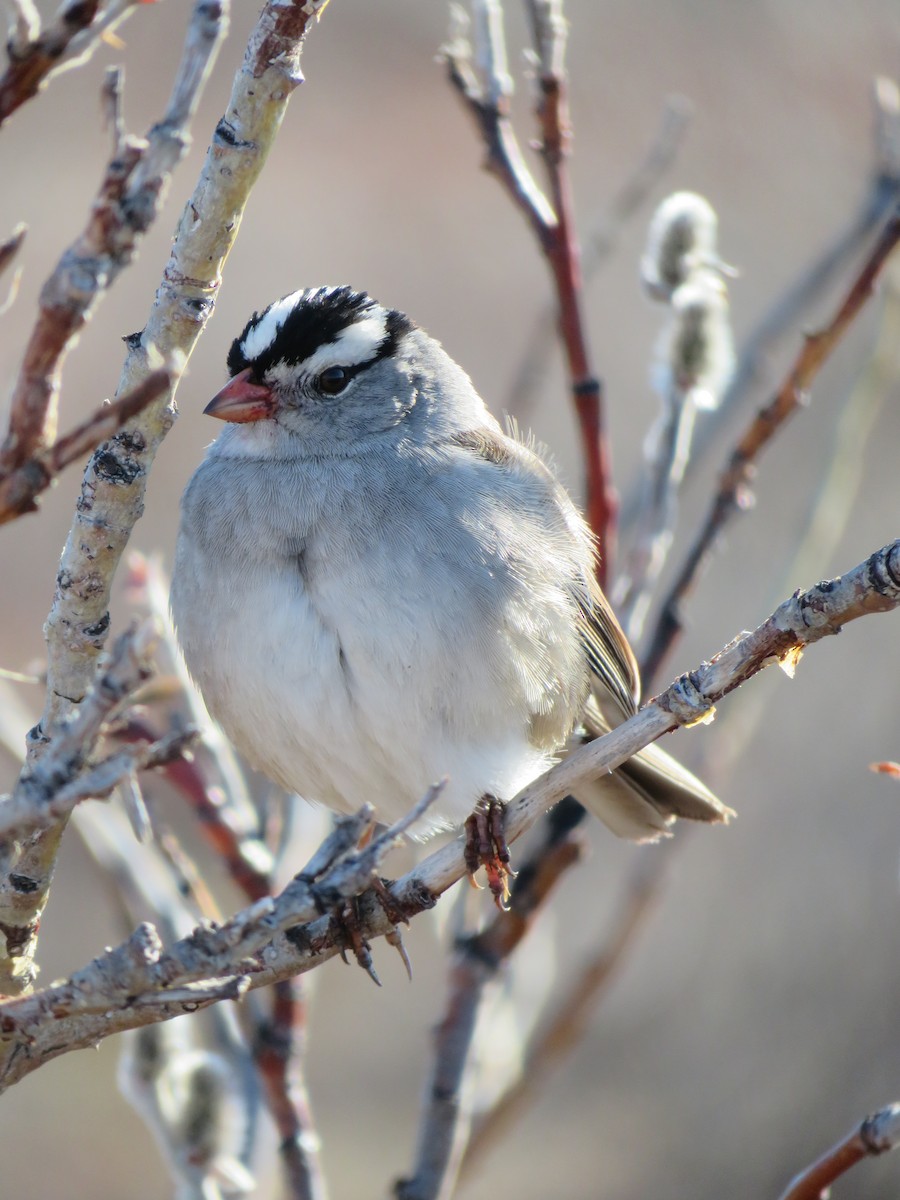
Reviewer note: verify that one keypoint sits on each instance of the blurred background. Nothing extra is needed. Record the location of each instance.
(755, 1017)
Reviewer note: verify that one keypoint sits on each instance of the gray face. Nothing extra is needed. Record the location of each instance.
(333, 361)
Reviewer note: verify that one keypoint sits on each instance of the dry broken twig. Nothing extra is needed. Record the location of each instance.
(486, 90)
(734, 490)
(139, 983)
(876, 1135)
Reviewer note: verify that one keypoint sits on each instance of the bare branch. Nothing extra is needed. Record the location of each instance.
(10, 247)
(733, 492)
(20, 487)
(876, 1135)
(132, 985)
(601, 240)
(130, 196)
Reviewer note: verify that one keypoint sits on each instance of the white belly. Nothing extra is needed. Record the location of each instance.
(342, 704)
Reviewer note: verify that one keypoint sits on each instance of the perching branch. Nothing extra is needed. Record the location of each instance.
(486, 92)
(734, 490)
(876, 1135)
(140, 983)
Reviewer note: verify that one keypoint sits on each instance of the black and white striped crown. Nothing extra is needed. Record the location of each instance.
(313, 324)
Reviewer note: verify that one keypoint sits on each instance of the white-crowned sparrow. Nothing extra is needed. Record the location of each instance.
(376, 587)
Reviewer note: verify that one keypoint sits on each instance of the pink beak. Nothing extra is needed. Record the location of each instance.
(240, 400)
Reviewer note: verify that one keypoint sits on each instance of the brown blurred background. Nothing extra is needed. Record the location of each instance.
(756, 1017)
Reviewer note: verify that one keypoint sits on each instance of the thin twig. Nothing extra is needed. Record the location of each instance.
(21, 486)
(488, 101)
(733, 492)
(10, 246)
(139, 983)
(477, 961)
(876, 1135)
(278, 1052)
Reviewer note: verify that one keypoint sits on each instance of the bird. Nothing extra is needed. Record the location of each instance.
(376, 586)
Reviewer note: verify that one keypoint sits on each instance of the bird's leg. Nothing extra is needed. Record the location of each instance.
(486, 847)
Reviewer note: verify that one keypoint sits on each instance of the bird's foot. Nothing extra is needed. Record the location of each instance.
(347, 916)
(486, 847)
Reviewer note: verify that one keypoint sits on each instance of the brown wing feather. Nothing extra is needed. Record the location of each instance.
(615, 681)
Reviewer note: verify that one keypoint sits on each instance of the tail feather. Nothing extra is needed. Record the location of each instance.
(643, 798)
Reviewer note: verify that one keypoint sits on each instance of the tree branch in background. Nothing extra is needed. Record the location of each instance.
(20, 487)
(10, 246)
(139, 983)
(566, 1026)
(131, 195)
(876, 1135)
(35, 55)
(486, 94)
(782, 319)
(734, 489)
(477, 962)
(601, 240)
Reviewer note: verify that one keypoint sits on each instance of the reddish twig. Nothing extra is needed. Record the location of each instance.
(733, 493)
(20, 487)
(601, 240)
(876, 1135)
(478, 960)
(278, 1051)
(552, 221)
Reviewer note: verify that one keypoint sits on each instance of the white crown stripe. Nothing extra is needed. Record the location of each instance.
(262, 335)
(358, 343)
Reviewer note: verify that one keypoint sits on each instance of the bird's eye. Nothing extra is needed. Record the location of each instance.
(333, 380)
